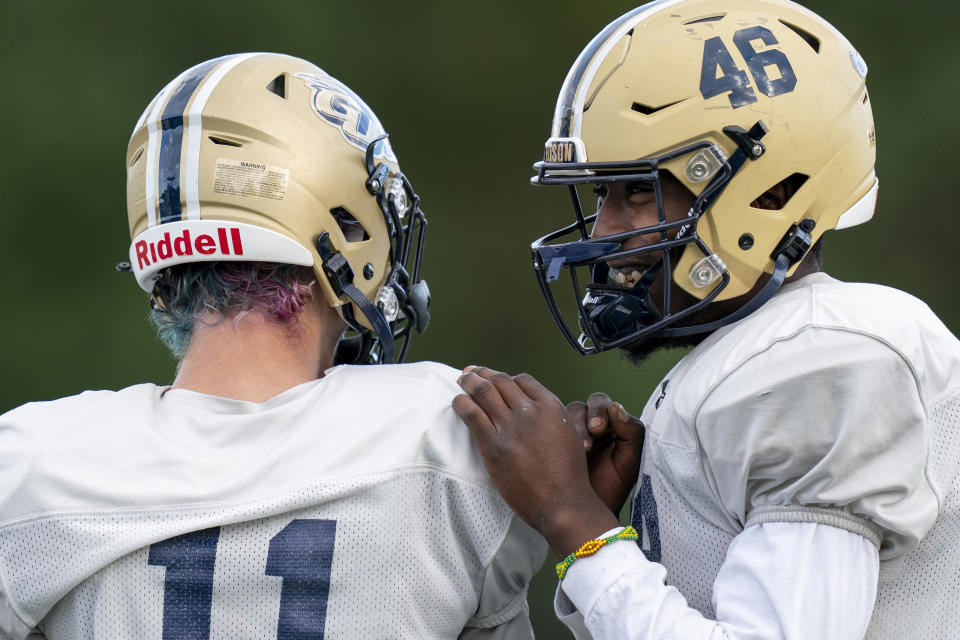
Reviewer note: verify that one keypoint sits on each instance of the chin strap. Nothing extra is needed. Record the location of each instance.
(340, 275)
(375, 318)
(793, 246)
(773, 285)
(791, 250)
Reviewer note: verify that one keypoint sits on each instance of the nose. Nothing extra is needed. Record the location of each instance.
(611, 218)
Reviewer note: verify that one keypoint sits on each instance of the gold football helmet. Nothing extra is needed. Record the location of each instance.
(265, 157)
(731, 99)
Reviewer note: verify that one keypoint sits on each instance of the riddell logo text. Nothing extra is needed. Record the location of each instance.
(226, 242)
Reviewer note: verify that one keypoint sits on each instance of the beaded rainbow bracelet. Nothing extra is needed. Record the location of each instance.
(590, 547)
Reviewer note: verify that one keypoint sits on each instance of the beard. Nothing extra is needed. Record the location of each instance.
(638, 352)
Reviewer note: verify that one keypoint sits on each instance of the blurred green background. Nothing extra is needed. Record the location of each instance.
(467, 92)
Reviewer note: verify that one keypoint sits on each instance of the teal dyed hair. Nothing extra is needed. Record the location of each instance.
(186, 291)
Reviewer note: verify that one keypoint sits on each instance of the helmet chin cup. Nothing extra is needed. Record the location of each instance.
(612, 316)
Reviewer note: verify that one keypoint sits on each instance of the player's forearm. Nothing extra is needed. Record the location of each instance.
(566, 529)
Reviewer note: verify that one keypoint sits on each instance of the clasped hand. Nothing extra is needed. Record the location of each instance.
(566, 470)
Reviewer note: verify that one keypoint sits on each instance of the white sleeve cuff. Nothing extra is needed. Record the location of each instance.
(779, 580)
(588, 578)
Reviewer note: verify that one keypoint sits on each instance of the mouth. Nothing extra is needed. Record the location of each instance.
(628, 275)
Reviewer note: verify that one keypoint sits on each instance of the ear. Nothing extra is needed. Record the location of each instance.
(775, 197)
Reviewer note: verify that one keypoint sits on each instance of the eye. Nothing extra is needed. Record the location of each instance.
(601, 192)
(639, 187)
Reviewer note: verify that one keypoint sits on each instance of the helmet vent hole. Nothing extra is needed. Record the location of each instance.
(719, 16)
(866, 96)
(777, 196)
(645, 110)
(224, 142)
(137, 157)
(352, 230)
(808, 37)
(278, 86)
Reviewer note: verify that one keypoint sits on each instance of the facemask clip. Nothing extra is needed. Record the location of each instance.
(706, 271)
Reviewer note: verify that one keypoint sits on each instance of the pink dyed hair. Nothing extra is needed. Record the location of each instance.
(185, 292)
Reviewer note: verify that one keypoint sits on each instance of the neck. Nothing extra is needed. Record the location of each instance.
(251, 356)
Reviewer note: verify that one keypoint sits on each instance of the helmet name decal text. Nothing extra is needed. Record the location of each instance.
(241, 178)
(559, 152)
(337, 104)
(734, 80)
(227, 242)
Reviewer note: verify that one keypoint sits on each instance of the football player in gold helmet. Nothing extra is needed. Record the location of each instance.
(265, 493)
(220, 171)
(794, 475)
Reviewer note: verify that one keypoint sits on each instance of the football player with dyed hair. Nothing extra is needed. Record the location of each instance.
(795, 474)
(273, 490)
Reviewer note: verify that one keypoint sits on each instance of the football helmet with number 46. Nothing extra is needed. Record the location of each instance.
(731, 99)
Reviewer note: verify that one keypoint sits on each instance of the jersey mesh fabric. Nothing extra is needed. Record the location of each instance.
(919, 593)
(359, 497)
(692, 537)
(398, 565)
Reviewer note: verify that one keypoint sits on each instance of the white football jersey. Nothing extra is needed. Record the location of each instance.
(835, 403)
(353, 506)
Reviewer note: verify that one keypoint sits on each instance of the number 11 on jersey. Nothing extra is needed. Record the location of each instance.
(301, 554)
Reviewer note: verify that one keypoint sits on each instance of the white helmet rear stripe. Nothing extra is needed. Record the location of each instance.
(191, 175)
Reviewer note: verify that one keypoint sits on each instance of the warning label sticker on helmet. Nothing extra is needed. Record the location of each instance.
(241, 178)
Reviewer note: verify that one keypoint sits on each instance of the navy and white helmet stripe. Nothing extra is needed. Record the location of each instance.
(173, 175)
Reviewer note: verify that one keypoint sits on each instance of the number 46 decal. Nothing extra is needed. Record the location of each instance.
(733, 79)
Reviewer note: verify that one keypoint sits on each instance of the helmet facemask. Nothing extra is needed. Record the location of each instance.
(403, 300)
(612, 312)
(613, 316)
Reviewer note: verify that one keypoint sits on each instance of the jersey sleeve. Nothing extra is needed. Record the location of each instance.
(503, 613)
(828, 427)
(515, 551)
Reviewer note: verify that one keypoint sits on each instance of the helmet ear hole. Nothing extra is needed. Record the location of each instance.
(353, 230)
(777, 196)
